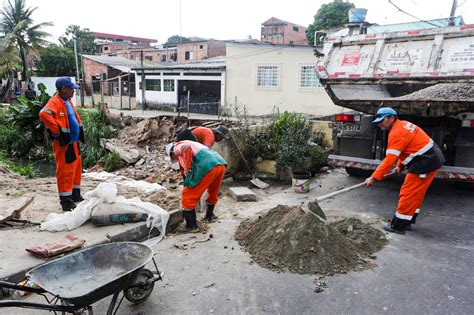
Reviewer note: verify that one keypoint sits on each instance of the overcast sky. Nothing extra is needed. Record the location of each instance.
(218, 19)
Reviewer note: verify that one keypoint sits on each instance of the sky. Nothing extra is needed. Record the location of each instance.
(218, 19)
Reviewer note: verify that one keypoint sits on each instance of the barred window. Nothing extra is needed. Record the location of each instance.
(308, 81)
(168, 85)
(153, 84)
(268, 76)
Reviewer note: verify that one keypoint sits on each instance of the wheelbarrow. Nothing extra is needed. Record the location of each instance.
(71, 284)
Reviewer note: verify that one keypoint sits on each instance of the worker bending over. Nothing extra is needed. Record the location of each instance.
(202, 169)
(418, 154)
(204, 135)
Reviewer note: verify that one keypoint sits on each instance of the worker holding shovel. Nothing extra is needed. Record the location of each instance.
(418, 154)
(203, 169)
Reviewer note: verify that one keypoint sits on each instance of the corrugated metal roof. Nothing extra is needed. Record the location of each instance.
(211, 63)
(120, 63)
(419, 25)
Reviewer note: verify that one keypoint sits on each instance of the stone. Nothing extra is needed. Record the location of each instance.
(242, 194)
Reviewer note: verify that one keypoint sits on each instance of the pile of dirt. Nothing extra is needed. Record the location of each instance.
(287, 238)
(167, 199)
(443, 91)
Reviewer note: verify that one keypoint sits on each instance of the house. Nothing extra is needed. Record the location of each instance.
(131, 40)
(110, 79)
(167, 85)
(199, 50)
(264, 77)
(277, 31)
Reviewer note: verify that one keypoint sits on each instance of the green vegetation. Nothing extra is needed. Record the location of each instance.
(333, 14)
(16, 21)
(27, 170)
(95, 128)
(288, 140)
(56, 61)
(112, 162)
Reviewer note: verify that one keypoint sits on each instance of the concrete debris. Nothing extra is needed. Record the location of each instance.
(444, 92)
(129, 153)
(242, 194)
(187, 243)
(124, 181)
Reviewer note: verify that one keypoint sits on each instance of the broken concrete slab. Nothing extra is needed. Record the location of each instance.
(127, 152)
(13, 208)
(242, 194)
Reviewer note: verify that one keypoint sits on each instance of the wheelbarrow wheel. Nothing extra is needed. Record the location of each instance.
(140, 290)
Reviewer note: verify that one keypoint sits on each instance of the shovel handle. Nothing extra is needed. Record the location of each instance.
(335, 193)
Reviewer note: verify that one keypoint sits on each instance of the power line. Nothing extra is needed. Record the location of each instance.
(409, 14)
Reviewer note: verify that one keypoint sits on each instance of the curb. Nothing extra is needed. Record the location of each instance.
(136, 234)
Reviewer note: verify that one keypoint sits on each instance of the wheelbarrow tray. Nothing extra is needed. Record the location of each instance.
(90, 275)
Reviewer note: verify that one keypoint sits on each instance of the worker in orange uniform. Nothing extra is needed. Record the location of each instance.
(204, 135)
(202, 169)
(418, 154)
(65, 129)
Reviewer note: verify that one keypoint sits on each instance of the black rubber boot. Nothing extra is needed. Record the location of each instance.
(76, 195)
(396, 225)
(191, 223)
(67, 203)
(413, 221)
(210, 217)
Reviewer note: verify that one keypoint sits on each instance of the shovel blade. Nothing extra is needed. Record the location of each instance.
(260, 184)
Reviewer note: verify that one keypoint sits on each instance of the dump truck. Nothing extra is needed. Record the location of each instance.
(426, 75)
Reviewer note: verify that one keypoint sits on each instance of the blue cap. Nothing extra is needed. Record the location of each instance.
(66, 82)
(384, 112)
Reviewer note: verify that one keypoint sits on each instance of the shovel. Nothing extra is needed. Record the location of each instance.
(255, 181)
(317, 209)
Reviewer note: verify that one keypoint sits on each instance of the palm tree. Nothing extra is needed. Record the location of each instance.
(9, 63)
(20, 31)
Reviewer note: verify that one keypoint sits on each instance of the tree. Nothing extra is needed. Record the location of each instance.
(56, 61)
(84, 37)
(20, 30)
(176, 39)
(329, 15)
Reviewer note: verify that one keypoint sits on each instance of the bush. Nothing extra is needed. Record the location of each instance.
(15, 141)
(112, 162)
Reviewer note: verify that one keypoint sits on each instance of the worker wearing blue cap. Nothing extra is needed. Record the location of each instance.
(416, 152)
(65, 128)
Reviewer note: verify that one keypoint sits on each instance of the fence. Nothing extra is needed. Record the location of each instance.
(120, 95)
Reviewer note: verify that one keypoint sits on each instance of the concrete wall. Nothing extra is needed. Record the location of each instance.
(241, 80)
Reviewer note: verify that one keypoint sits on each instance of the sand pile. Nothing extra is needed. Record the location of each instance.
(286, 238)
(443, 91)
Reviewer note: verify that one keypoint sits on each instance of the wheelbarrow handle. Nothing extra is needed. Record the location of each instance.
(14, 286)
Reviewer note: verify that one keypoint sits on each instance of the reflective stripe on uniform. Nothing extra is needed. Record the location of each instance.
(46, 110)
(64, 194)
(417, 210)
(393, 151)
(76, 186)
(423, 150)
(65, 130)
(403, 216)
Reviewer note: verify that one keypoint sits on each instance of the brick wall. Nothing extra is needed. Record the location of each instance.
(216, 48)
(92, 68)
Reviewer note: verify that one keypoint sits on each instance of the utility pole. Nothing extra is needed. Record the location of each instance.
(143, 82)
(77, 73)
(453, 13)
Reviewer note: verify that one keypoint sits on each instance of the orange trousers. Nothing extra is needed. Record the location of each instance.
(68, 175)
(211, 182)
(412, 194)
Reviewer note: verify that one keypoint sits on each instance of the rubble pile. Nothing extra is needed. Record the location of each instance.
(444, 92)
(287, 238)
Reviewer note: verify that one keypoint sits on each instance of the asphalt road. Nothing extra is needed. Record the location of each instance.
(426, 271)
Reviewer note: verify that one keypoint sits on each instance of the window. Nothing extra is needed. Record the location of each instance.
(296, 28)
(188, 55)
(308, 81)
(153, 84)
(201, 46)
(149, 58)
(268, 76)
(106, 48)
(163, 58)
(168, 85)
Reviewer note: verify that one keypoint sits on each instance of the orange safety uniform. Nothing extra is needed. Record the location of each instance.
(203, 169)
(420, 155)
(54, 116)
(204, 135)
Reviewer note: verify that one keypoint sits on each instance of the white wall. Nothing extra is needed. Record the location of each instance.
(51, 87)
(241, 80)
